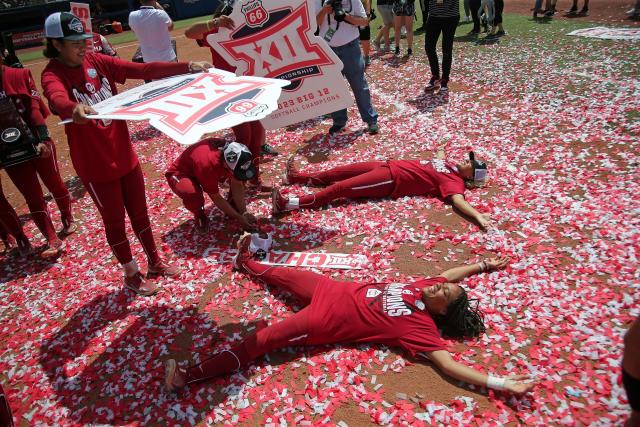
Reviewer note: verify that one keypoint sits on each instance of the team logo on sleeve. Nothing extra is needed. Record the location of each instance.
(254, 13)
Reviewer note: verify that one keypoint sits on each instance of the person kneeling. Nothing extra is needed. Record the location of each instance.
(201, 167)
(406, 315)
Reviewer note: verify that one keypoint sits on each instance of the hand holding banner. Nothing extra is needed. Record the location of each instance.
(188, 106)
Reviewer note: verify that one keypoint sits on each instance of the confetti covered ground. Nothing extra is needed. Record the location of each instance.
(557, 119)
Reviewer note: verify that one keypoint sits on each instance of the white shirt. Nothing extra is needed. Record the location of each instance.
(151, 26)
(346, 32)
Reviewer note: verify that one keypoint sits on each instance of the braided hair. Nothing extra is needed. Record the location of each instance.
(462, 320)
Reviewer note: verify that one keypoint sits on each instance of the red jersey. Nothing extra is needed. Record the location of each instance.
(425, 177)
(386, 313)
(216, 59)
(18, 84)
(101, 149)
(202, 162)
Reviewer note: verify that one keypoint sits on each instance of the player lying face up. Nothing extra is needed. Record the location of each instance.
(406, 315)
(201, 168)
(392, 178)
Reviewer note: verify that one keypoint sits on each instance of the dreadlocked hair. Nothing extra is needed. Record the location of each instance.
(462, 320)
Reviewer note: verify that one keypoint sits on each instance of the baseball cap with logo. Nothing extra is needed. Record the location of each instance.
(479, 168)
(65, 25)
(238, 159)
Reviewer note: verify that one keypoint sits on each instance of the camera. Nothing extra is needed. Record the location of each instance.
(338, 12)
(372, 15)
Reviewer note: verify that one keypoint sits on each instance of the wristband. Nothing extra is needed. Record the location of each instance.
(496, 383)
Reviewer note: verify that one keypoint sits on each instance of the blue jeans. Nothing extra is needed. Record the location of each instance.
(353, 70)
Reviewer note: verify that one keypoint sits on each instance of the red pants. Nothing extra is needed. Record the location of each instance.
(189, 190)
(25, 178)
(9, 221)
(113, 198)
(358, 180)
(289, 332)
(251, 134)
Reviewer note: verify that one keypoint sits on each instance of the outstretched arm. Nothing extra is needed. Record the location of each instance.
(512, 383)
(456, 274)
(483, 219)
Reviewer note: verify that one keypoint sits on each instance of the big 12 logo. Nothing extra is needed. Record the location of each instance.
(255, 14)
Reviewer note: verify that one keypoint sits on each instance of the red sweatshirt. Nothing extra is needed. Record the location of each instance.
(100, 150)
(18, 84)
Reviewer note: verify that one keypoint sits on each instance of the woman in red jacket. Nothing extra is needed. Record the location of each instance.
(406, 315)
(101, 150)
(18, 86)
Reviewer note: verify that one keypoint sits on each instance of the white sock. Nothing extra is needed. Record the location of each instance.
(130, 268)
(293, 203)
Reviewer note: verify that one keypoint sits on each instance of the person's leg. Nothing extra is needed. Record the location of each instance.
(431, 35)
(25, 178)
(354, 72)
(135, 202)
(333, 175)
(497, 20)
(107, 196)
(474, 5)
(375, 184)
(397, 25)
(585, 8)
(49, 173)
(386, 32)
(448, 33)
(292, 331)
(6, 418)
(631, 371)
(408, 23)
(466, 10)
(11, 222)
(300, 283)
(339, 117)
(189, 191)
(365, 43)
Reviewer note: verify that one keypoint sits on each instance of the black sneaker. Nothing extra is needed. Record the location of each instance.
(444, 85)
(573, 11)
(409, 51)
(433, 84)
(268, 150)
(501, 33)
(372, 128)
(584, 12)
(335, 129)
(397, 50)
(549, 13)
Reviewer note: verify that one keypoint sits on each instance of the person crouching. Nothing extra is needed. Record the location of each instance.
(201, 168)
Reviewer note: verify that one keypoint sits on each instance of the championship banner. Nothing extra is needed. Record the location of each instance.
(300, 259)
(608, 33)
(188, 106)
(276, 39)
(83, 12)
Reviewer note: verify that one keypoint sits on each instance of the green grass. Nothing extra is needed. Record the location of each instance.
(516, 25)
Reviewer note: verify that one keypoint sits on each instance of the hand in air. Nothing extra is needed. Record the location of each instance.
(80, 113)
(225, 22)
(516, 385)
(497, 263)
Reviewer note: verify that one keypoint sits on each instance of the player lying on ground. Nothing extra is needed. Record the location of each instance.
(101, 150)
(201, 167)
(394, 178)
(406, 315)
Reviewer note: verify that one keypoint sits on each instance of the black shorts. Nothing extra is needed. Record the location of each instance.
(404, 8)
(365, 33)
(632, 386)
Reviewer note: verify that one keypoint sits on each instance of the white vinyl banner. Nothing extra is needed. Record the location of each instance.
(83, 12)
(275, 39)
(188, 106)
(608, 33)
(299, 259)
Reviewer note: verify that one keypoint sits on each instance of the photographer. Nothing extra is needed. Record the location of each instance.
(338, 22)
